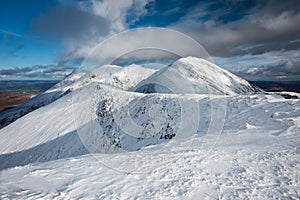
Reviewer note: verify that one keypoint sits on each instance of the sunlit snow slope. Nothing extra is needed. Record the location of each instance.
(101, 141)
(194, 75)
(121, 77)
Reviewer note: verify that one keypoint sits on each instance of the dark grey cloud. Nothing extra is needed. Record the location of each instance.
(274, 7)
(286, 46)
(37, 71)
(272, 25)
(71, 21)
(81, 25)
(73, 24)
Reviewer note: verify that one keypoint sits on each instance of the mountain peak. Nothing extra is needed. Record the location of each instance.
(194, 75)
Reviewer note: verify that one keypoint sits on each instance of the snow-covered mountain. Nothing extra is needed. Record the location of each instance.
(121, 77)
(195, 76)
(189, 144)
(187, 75)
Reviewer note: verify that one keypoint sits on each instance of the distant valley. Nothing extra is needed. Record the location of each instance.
(15, 92)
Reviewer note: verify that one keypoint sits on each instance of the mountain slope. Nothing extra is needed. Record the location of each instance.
(121, 77)
(195, 75)
(62, 88)
(259, 144)
(154, 146)
(111, 120)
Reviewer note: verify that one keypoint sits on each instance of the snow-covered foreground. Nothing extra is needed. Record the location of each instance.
(257, 156)
(101, 140)
(257, 172)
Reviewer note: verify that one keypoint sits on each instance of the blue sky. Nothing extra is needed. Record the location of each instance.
(258, 40)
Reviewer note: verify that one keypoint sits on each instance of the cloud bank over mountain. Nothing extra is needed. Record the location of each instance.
(228, 30)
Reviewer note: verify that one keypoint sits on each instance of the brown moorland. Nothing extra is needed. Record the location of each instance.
(12, 99)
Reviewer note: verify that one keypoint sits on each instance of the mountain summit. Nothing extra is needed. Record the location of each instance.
(102, 106)
(194, 75)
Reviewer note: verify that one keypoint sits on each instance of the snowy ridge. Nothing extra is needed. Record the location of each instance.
(124, 78)
(195, 75)
(54, 122)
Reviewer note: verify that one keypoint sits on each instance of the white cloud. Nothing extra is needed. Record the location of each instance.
(117, 12)
(152, 38)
